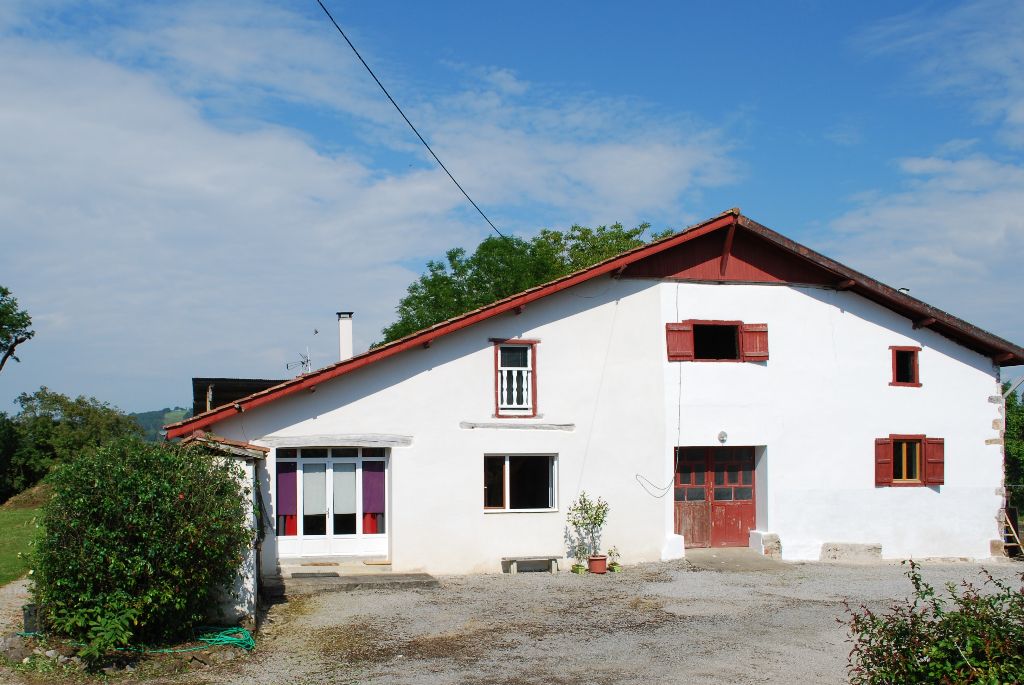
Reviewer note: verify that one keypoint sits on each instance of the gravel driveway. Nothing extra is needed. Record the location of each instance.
(667, 622)
(722, 617)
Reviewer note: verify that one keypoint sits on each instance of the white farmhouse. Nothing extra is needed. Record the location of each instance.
(724, 386)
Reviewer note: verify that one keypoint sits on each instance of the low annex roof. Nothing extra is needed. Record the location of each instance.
(827, 270)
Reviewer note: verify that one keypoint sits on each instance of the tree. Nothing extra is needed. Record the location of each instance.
(501, 267)
(53, 428)
(1013, 437)
(14, 326)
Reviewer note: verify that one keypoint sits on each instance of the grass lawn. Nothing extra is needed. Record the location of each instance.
(16, 529)
(17, 526)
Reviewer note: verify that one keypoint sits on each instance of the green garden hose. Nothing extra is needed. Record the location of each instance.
(211, 636)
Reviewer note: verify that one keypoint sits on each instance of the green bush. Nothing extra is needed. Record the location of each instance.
(137, 542)
(974, 636)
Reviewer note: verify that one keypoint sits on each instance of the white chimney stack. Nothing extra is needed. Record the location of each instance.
(345, 335)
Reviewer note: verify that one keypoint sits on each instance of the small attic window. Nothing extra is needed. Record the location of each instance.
(905, 366)
(716, 341)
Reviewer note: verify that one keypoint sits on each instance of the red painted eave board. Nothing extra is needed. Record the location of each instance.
(946, 324)
(445, 328)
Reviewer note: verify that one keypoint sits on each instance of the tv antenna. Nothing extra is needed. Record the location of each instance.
(303, 363)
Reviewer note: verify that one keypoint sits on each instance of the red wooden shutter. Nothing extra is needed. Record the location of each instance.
(883, 461)
(680, 341)
(754, 342)
(934, 461)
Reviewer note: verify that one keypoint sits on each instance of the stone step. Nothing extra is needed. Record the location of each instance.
(320, 581)
(343, 566)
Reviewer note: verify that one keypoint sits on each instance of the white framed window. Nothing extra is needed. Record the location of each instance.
(515, 380)
(520, 482)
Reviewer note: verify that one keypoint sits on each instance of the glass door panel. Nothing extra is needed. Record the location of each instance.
(287, 505)
(344, 498)
(314, 498)
(373, 497)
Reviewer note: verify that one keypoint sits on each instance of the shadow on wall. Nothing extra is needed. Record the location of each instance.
(875, 313)
(363, 383)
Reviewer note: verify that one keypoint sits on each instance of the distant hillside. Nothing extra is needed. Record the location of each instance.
(153, 421)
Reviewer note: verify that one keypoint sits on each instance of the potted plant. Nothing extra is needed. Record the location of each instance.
(613, 560)
(579, 553)
(587, 517)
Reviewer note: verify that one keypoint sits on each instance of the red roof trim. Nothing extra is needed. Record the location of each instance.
(315, 378)
(865, 286)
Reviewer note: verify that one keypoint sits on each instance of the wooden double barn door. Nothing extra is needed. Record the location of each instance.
(714, 495)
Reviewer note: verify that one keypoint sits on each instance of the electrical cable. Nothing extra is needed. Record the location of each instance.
(422, 140)
(644, 481)
(597, 395)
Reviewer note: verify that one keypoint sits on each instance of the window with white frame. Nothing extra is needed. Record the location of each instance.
(520, 482)
(515, 379)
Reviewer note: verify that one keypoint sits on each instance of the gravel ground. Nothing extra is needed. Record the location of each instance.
(666, 622)
(13, 596)
(745, 621)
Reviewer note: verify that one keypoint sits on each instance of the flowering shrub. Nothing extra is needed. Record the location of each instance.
(972, 637)
(136, 542)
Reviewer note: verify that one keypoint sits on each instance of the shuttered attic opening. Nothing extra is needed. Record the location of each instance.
(716, 341)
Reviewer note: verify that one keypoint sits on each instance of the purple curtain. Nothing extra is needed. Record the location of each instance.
(373, 487)
(287, 504)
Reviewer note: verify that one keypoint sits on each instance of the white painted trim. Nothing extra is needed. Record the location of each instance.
(339, 440)
(517, 425)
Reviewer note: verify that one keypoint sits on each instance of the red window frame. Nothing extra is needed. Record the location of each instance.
(532, 344)
(931, 470)
(917, 370)
(751, 340)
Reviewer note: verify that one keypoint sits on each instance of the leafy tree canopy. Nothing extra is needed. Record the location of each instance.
(1014, 438)
(53, 428)
(15, 326)
(501, 267)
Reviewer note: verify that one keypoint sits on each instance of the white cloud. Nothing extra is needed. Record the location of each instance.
(954, 236)
(953, 231)
(157, 224)
(844, 134)
(973, 51)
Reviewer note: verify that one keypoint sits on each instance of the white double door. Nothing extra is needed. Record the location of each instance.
(342, 508)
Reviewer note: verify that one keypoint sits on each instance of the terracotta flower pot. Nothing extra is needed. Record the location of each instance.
(597, 563)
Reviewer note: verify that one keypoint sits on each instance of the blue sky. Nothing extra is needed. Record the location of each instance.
(192, 188)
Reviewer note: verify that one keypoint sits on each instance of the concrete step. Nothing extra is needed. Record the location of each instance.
(344, 566)
(330, 581)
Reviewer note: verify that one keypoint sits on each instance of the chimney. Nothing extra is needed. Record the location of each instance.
(345, 335)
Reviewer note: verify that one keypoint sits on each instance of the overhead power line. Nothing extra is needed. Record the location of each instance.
(422, 140)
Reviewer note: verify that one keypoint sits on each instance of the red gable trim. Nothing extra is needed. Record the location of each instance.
(1001, 351)
(311, 380)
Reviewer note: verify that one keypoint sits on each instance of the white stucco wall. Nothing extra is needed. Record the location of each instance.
(599, 367)
(237, 604)
(816, 407)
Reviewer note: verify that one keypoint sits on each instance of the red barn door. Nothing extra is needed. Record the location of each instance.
(714, 496)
